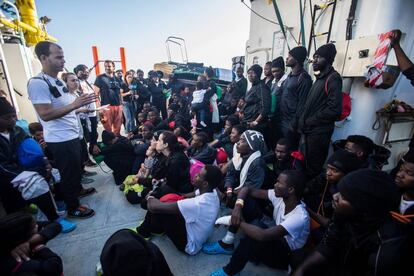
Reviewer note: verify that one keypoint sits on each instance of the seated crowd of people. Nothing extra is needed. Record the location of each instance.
(190, 154)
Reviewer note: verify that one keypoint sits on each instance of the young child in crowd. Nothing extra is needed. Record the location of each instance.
(133, 190)
(141, 145)
(197, 105)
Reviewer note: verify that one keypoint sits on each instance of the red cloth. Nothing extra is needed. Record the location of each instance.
(171, 198)
(171, 125)
(298, 155)
(221, 156)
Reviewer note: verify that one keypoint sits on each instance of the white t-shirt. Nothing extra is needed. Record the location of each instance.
(88, 89)
(405, 204)
(58, 130)
(198, 96)
(199, 213)
(296, 222)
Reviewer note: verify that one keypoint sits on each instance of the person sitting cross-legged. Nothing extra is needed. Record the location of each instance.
(246, 170)
(118, 155)
(270, 244)
(187, 222)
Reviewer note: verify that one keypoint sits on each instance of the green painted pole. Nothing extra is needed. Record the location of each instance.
(279, 19)
(302, 24)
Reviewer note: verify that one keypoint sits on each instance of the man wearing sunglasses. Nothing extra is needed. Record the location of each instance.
(55, 108)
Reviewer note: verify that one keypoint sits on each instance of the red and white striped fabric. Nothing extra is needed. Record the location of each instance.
(374, 76)
(381, 54)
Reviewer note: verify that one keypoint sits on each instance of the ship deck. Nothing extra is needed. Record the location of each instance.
(80, 249)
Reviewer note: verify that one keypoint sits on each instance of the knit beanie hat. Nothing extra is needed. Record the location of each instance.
(299, 53)
(6, 107)
(126, 253)
(328, 51)
(344, 161)
(107, 137)
(278, 63)
(369, 191)
(257, 69)
(254, 139)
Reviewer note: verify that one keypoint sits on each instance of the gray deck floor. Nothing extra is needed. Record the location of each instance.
(80, 249)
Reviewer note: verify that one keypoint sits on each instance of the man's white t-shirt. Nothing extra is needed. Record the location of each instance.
(200, 214)
(58, 130)
(296, 222)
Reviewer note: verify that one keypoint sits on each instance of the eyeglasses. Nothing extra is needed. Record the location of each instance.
(64, 89)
